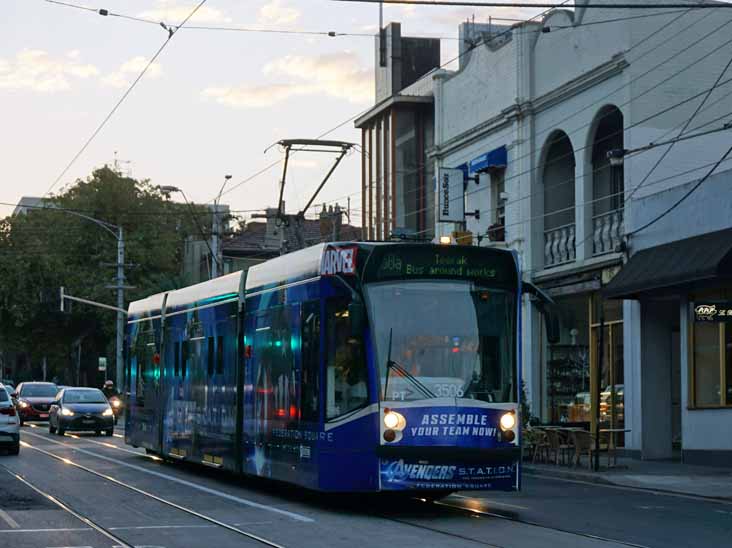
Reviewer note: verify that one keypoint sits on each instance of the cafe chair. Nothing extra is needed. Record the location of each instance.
(584, 444)
(557, 446)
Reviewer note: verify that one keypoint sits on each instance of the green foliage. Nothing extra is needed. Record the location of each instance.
(52, 247)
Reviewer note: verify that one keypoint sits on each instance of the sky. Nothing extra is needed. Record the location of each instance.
(209, 106)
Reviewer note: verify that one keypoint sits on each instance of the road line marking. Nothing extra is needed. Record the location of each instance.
(208, 490)
(7, 519)
(58, 502)
(494, 502)
(60, 530)
(149, 495)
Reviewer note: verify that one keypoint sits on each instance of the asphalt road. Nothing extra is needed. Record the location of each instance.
(106, 494)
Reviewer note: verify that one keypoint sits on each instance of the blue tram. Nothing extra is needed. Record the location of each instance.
(348, 367)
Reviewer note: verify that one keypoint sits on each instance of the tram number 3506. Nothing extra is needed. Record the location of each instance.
(442, 390)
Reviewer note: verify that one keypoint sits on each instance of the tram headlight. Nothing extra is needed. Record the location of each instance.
(508, 421)
(394, 420)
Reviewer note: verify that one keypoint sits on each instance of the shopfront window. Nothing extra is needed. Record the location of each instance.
(706, 364)
(712, 356)
(568, 364)
(606, 346)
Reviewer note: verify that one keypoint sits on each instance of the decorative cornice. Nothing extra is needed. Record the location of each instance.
(516, 111)
(585, 81)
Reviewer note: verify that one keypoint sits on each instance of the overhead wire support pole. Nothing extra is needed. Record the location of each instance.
(280, 206)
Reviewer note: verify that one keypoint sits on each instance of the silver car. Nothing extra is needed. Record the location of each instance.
(9, 423)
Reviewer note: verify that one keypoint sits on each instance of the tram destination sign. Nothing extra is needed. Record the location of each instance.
(473, 263)
(713, 311)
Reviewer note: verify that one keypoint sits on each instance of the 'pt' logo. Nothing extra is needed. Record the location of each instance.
(338, 260)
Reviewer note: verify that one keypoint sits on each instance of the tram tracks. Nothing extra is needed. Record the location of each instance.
(142, 492)
(513, 518)
(461, 506)
(69, 510)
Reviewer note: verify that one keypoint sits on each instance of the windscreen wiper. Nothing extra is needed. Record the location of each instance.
(391, 364)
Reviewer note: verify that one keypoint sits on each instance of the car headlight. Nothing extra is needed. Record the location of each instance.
(24, 404)
(108, 412)
(67, 412)
(394, 420)
(508, 421)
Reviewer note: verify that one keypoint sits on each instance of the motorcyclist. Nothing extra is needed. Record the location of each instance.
(109, 390)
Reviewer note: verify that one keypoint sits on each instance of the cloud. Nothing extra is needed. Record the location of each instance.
(171, 12)
(251, 96)
(122, 77)
(338, 75)
(275, 13)
(36, 70)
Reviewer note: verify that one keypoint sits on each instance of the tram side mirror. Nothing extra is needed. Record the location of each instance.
(548, 309)
(357, 315)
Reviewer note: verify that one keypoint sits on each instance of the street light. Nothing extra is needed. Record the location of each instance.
(169, 189)
(120, 287)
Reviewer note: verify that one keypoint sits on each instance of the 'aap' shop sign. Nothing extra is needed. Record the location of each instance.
(713, 312)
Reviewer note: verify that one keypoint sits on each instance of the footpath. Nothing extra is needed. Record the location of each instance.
(662, 476)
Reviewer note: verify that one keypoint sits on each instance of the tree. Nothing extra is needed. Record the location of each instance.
(49, 247)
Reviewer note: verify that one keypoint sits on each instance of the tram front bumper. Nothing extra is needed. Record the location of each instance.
(445, 468)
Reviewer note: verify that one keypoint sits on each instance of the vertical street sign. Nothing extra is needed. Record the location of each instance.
(451, 196)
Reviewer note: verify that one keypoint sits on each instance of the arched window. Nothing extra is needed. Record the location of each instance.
(607, 182)
(558, 183)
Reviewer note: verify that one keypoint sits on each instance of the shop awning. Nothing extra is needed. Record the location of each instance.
(496, 158)
(681, 263)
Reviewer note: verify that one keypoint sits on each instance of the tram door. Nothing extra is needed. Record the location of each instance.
(145, 407)
(310, 400)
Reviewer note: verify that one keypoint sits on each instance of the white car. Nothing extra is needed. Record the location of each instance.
(9, 423)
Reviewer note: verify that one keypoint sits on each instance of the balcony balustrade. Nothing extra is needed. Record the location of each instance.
(607, 232)
(559, 245)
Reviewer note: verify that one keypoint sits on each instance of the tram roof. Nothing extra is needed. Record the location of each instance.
(208, 291)
(149, 306)
(293, 267)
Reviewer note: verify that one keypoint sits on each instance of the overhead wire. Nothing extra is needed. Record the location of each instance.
(554, 5)
(124, 96)
(264, 30)
(275, 163)
(639, 122)
(361, 113)
(495, 37)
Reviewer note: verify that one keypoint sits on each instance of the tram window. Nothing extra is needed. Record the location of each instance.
(184, 358)
(210, 368)
(310, 361)
(346, 381)
(275, 362)
(219, 355)
(176, 358)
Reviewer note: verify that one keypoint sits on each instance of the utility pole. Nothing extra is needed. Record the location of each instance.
(119, 286)
(215, 237)
(215, 243)
(119, 367)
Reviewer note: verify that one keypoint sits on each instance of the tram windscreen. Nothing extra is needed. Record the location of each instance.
(436, 339)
